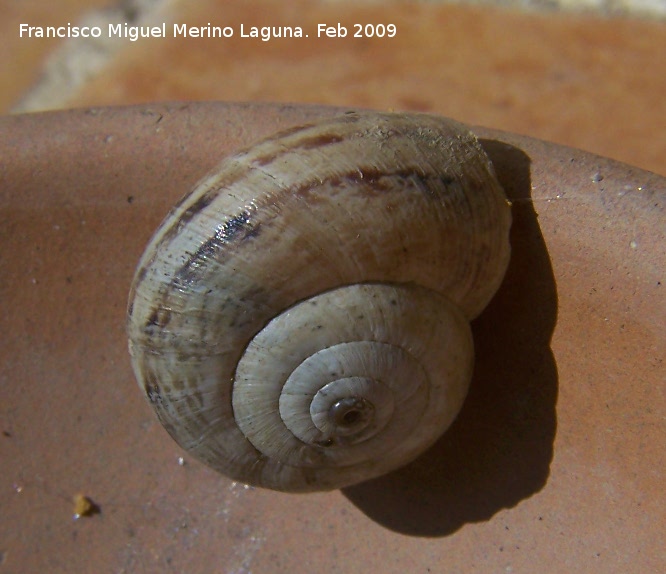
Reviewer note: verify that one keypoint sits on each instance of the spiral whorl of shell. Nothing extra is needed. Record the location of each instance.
(300, 320)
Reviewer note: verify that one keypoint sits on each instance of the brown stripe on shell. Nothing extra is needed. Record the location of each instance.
(369, 180)
(432, 185)
(159, 318)
(142, 272)
(237, 228)
(179, 384)
(373, 182)
(197, 207)
(195, 401)
(308, 143)
(152, 388)
(207, 198)
(158, 402)
(202, 202)
(139, 276)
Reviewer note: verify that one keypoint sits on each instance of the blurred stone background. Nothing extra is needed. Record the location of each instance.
(585, 73)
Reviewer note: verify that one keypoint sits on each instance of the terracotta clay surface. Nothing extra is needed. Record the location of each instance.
(555, 464)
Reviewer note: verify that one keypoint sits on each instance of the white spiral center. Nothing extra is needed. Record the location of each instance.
(342, 410)
(348, 392)
(305, 399)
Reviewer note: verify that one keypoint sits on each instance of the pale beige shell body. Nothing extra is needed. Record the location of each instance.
(300, 320)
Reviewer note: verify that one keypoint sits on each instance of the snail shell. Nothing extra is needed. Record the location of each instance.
(300, 321)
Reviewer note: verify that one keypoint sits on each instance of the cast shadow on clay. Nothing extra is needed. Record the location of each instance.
(499, 449)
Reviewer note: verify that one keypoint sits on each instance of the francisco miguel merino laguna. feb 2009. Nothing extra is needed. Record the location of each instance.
(265, 33)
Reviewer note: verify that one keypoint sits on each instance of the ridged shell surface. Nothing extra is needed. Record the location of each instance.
(300, 320)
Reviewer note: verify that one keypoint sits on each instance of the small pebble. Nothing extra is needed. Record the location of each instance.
(83, 506)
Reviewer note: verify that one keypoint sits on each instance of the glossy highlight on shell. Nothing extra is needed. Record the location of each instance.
(300, 320)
